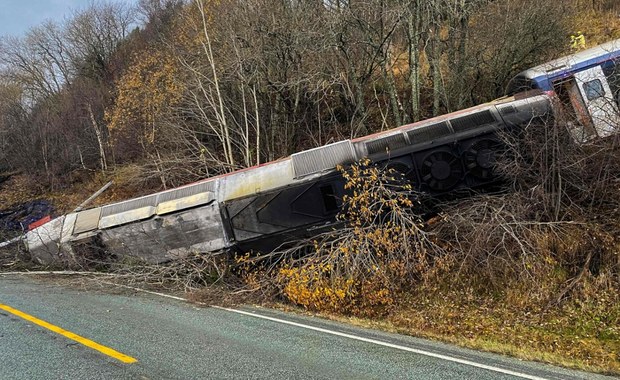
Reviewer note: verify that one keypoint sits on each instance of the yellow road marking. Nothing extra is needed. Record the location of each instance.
(68, 334)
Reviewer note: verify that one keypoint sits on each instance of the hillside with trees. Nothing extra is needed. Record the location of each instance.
(184, 91)
(168, 92)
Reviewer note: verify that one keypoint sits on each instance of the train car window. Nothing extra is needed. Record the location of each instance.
(329, 198)
(594, 89)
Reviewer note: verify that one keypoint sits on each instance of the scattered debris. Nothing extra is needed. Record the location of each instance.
(18, 218)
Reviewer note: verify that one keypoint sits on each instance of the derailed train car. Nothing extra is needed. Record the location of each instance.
(261, 207)
(587, 87)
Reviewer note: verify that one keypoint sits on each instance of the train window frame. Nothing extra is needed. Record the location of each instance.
(594, 89)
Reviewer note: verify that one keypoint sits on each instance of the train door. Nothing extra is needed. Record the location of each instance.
(599, 101)
(574, 111)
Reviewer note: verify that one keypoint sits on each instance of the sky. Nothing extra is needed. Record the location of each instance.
(18, 16)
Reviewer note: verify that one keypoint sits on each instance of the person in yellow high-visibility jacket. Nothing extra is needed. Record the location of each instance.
(578, 42)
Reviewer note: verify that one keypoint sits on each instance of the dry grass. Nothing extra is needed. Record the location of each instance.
(598, 26)
(582, 334)
(571, 336)
(17, 189)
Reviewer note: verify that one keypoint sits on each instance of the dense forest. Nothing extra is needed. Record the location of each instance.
(183, 90)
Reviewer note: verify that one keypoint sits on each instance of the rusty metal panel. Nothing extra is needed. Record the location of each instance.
(255, 180)
(323, 158)
(87, 220)
(178, 204)
(129, 216)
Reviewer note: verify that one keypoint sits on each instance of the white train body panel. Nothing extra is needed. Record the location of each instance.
(44, 242)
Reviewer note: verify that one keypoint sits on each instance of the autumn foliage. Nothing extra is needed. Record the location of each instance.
(147, 95)
(382, 248)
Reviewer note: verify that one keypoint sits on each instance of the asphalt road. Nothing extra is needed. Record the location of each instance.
(170, 339)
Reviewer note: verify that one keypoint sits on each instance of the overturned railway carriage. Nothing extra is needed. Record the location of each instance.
(587, 86)
(259, 208)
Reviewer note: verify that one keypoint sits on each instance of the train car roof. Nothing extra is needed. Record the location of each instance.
(149, 199)
(575, 62)
(452, 115)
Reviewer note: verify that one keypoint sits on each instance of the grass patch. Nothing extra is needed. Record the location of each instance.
(582, 336)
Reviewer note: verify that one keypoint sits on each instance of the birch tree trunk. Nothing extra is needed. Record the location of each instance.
(220, 111)
(102, 156)
(413, 37)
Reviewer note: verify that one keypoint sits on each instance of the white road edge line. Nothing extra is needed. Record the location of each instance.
(386, 344)
(350, 336)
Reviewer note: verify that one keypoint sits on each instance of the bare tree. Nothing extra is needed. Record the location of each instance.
(94, 34)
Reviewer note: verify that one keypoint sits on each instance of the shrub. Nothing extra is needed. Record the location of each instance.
(381, 250)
